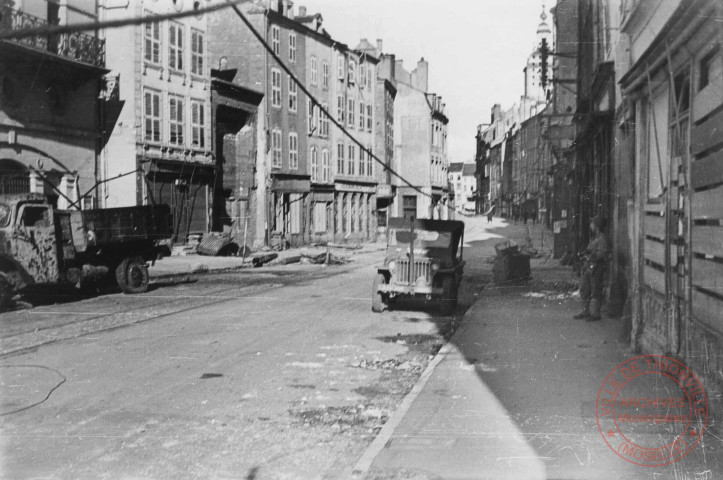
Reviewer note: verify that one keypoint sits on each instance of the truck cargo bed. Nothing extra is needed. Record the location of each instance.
(129, 224)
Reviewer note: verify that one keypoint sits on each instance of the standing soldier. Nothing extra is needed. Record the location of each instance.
(594, 257)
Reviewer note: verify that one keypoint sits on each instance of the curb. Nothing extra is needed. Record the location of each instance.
(365, 462)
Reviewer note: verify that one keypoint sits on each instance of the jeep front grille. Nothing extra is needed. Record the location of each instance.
(420, 269)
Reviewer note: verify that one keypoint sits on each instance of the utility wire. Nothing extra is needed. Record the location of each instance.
(124, 22)
(314, 101)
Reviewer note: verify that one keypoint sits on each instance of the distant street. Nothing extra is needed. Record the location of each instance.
(276, 373)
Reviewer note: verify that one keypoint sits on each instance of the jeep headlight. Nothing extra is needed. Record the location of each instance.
(392, 267)
(434, 267)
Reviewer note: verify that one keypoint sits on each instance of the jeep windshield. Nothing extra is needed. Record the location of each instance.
(422, 238)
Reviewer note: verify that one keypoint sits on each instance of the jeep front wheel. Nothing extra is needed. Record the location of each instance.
(132, 275)
(6, 291)
(448, 302)
(379, 301)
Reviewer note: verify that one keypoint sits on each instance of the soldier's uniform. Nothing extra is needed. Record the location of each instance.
(591, 287)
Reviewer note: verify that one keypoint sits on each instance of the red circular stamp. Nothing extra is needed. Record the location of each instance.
(652, 410)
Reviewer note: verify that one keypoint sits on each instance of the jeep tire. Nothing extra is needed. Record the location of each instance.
(132, 275)
(6, 291)
(448, 302)
(379, 300)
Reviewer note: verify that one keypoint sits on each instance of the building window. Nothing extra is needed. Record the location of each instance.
(313, 70)
(370, 77)
(175, 46)
(350, 159)
(152, 116)
(175, 120)
(340, 109)
(152, 43)
(409, 206)
(197, 52)
(362, 112)
(276, 148)
(276, 39)
(704, 70)
(340, 67)
(310, 116)
(369, 118)
(361, 162)
(314, 163)
(324, 122)
(275, 87)
(292, 47)
(325, 166)
(362, 75)
(324, 74)
(352, 71)
(350, 113)
(293, 150)
(198, 125)
(293, 98)
(370, 163)
(340, 159)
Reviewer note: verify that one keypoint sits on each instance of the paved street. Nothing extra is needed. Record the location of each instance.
(269, 373)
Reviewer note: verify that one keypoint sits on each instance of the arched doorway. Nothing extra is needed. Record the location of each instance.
(14, 177)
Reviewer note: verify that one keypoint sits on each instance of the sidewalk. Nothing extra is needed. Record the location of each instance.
(512, 396)
(184, 265)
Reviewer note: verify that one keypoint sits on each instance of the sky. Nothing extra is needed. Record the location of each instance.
(476, 49)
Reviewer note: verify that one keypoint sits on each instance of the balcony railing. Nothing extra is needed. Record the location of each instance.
(74, 45)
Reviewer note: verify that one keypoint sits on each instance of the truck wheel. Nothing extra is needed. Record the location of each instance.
(379, 301)
(132, 275)
(448, 303)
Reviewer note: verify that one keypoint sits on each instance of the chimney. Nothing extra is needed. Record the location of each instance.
(379, 46)
(496, 111)
(302, 11)
(421, 75)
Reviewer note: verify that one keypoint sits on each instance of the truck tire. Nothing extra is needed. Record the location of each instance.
(448, 302)
(132, 275)
(379, 301)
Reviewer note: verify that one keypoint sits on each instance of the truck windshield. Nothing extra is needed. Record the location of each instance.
(422, 238)
(4, 215)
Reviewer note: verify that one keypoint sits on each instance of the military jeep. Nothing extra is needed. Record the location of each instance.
(423, 259)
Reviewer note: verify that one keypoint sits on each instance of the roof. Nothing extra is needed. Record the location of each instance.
(455, 167)
(468, 169)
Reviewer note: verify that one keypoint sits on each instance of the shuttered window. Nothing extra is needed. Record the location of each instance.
(175, 46)
(175, 120)
(152, 116)
(197, 52)
(198, 125)
(152, 42)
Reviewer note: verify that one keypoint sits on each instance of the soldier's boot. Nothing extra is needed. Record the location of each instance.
(594, 311)
(585, 313)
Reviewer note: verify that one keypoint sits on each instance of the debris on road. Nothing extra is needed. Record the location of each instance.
(259, 260)
(389, 364)
(345, 246)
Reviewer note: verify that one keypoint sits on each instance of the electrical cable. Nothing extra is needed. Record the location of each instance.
(88, 26)
(321, 108)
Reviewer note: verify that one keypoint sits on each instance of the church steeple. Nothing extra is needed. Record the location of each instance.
(543, 30)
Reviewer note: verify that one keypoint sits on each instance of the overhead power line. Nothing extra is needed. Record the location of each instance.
(123, 22)
(323, 110)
